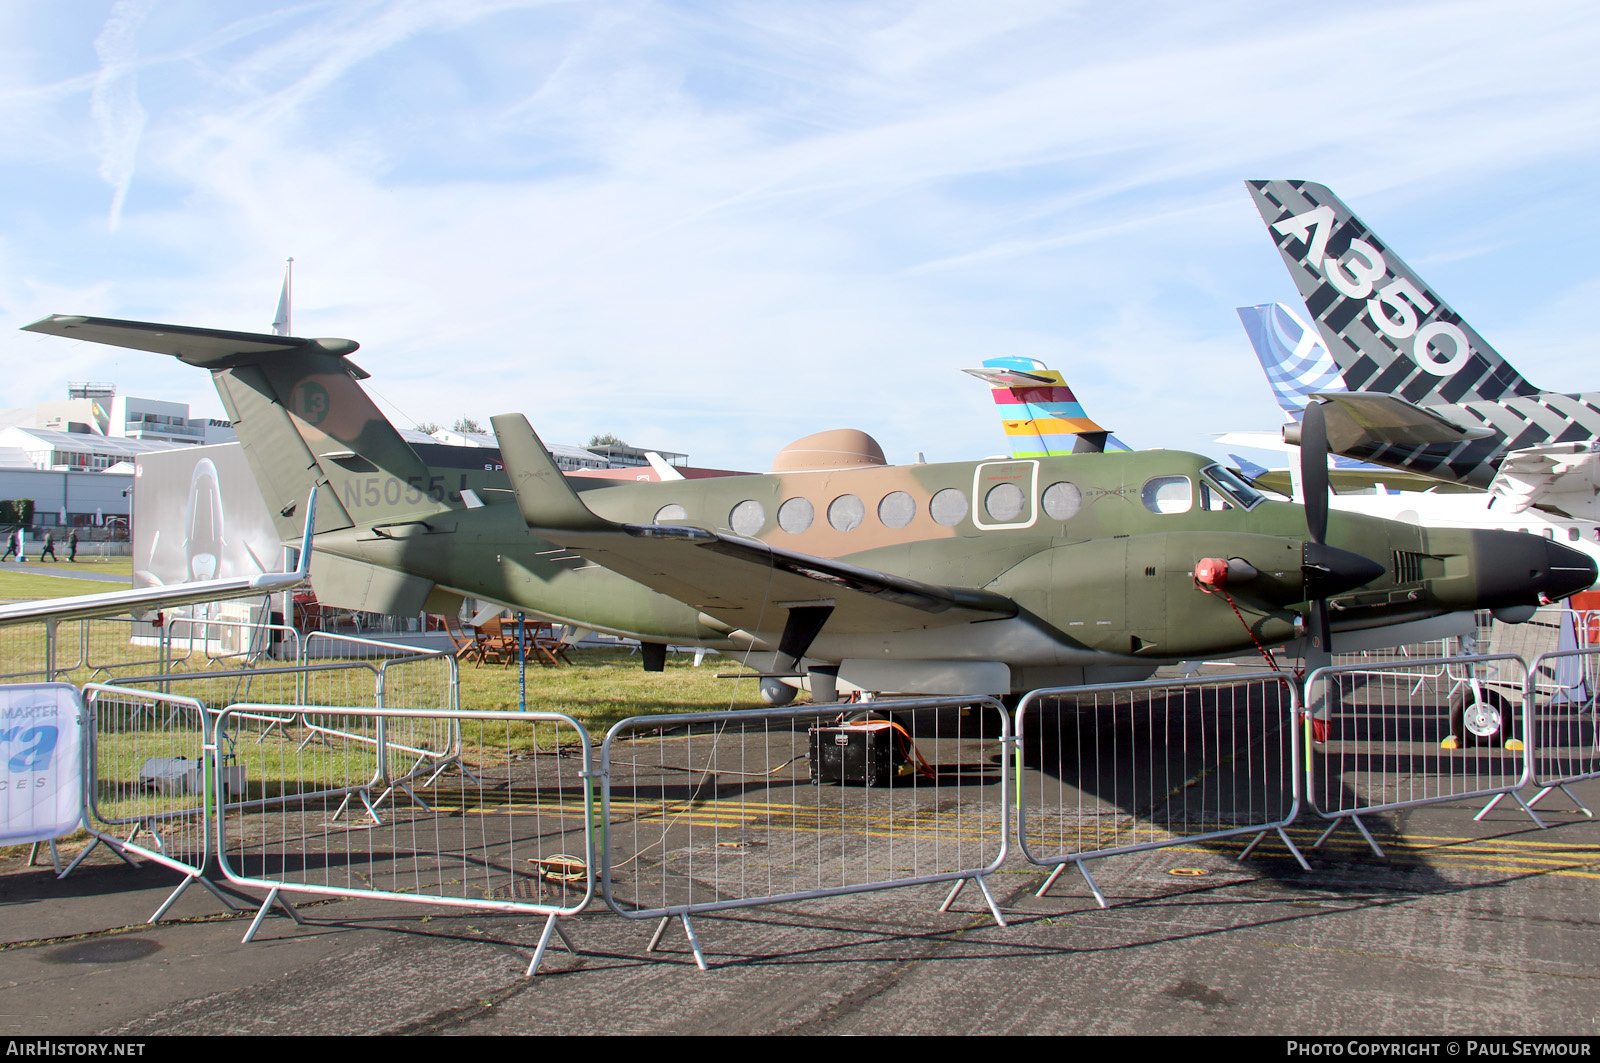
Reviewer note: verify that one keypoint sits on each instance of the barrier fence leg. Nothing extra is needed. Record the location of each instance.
(1360, 826)
(188, 879)
(661, 928)
(688, 930)
(113, 846)
(266, 906)
(55, 855)
(1294, 851)
(694, 943)
(961, 884)
(1563, 788)
(552, 924)
(1083, 869)
(344, 804)
(1526, 807)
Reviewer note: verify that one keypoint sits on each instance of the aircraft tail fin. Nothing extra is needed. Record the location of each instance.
(1040, 415)
(302, 417)
(1292, 355)
(545, 497)
(1385, 328)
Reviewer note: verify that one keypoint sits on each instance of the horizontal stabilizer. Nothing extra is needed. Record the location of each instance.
(206, 348)
(1368, 419)
(1561, 477)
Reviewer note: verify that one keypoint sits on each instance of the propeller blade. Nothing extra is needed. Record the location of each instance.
(1314, 470)
(1319, 655)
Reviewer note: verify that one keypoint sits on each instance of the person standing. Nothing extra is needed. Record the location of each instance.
(72, 546)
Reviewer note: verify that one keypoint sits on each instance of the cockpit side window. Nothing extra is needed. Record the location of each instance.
(1212, 499)
(1234, 486)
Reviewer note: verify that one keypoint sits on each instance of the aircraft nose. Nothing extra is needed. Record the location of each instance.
(1516, 569)
(1570, 571)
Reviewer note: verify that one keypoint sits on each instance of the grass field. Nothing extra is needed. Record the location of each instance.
(52, 580)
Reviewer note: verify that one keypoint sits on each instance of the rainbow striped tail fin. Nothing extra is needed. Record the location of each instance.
(1041, 416)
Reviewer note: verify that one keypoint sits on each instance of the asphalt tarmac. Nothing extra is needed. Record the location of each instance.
(1464, 928)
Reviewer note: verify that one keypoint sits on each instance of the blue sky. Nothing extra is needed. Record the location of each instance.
(715, 227)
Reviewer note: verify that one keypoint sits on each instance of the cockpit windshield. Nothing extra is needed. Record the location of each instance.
(1234, 486)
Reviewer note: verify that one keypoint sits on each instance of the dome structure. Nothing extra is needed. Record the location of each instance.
(830, 451)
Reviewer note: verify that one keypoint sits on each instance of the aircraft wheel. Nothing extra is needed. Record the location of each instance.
(1485, 721)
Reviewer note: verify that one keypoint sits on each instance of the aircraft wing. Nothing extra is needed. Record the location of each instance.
(142, 600)
(147, 599)
(1540, 477)
(744, 583)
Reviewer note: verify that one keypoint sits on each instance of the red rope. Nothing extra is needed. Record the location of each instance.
(1243, 623)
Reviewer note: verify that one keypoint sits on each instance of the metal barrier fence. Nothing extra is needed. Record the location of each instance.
(420, 746)
(243, 641)
(1414, 733)
(1563, 734)
(1550, 630)
(364, 778)
(333, 644)
(717, 810)
(147, 786)
(114, 646)
(409, 679)
(25, 650)
(1126, 767)
(509, 830)
(334, 683)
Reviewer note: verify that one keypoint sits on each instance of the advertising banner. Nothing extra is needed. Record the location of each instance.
(41, 770)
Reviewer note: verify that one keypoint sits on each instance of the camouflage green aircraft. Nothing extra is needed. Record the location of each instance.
(989, 577)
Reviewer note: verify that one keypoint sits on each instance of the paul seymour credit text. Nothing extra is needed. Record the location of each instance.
(1456, 1046)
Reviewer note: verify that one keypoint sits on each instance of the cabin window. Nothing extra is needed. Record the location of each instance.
(747, 517)
(671, 512)
(1062, 501)
(948, 508)
(897, 509)
(1573, 535)
(1168, 494)
(846, 512)
(796, 515)
(1003, 502)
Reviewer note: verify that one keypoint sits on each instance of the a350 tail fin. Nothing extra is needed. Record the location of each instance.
(301, 417)
(1040, 415)
(1386, 329)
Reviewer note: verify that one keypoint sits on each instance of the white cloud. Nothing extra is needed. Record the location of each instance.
(734, 224)
(114, 101)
